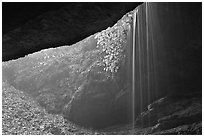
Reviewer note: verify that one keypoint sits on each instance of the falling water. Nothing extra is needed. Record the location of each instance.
(148, 65)
(136, 65)
(143, 61)
(140, 62)
(133, 69)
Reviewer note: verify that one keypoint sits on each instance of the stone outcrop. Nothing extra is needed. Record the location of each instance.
(65, 26)
(90, 82)
(173, 115)
(82, 81)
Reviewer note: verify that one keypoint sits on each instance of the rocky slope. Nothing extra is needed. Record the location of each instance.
(21, 115)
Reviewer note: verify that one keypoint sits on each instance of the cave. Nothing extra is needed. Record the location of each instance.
(137, 69)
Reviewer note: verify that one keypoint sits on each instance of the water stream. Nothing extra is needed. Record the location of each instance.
(143, 61)
(133, 70)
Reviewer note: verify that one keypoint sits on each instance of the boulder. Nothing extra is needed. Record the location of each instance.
(171, 112)
(192, 129)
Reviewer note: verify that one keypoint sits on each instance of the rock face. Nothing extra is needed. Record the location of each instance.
(83, 81)
(66, 26)
(171, 112)
(171, 115)
(91, 84)
(22, 115)
(192, 129)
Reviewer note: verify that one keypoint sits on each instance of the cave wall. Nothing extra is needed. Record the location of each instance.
(68, 79)
(55, 24)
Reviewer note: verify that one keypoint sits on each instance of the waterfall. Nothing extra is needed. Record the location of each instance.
(143, 61)
(148, 64)
(133, 69)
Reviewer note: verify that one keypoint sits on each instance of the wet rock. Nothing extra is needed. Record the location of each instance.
(193, 129)
(171, 112)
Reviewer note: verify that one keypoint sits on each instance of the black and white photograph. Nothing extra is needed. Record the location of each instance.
(101, 68)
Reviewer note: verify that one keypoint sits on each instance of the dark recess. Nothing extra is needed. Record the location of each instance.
(17, 14)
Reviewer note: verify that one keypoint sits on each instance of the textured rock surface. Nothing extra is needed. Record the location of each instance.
(193, 129)
(90, 81)
(66, 26)
(172, 112)
(81, 81)
(21, 115)
(172, 115)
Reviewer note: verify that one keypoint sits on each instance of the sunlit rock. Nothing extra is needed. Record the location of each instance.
(91, 82)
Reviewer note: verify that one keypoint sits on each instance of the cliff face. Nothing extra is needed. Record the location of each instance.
(90, 82)
(82, 81)
(65, 26)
